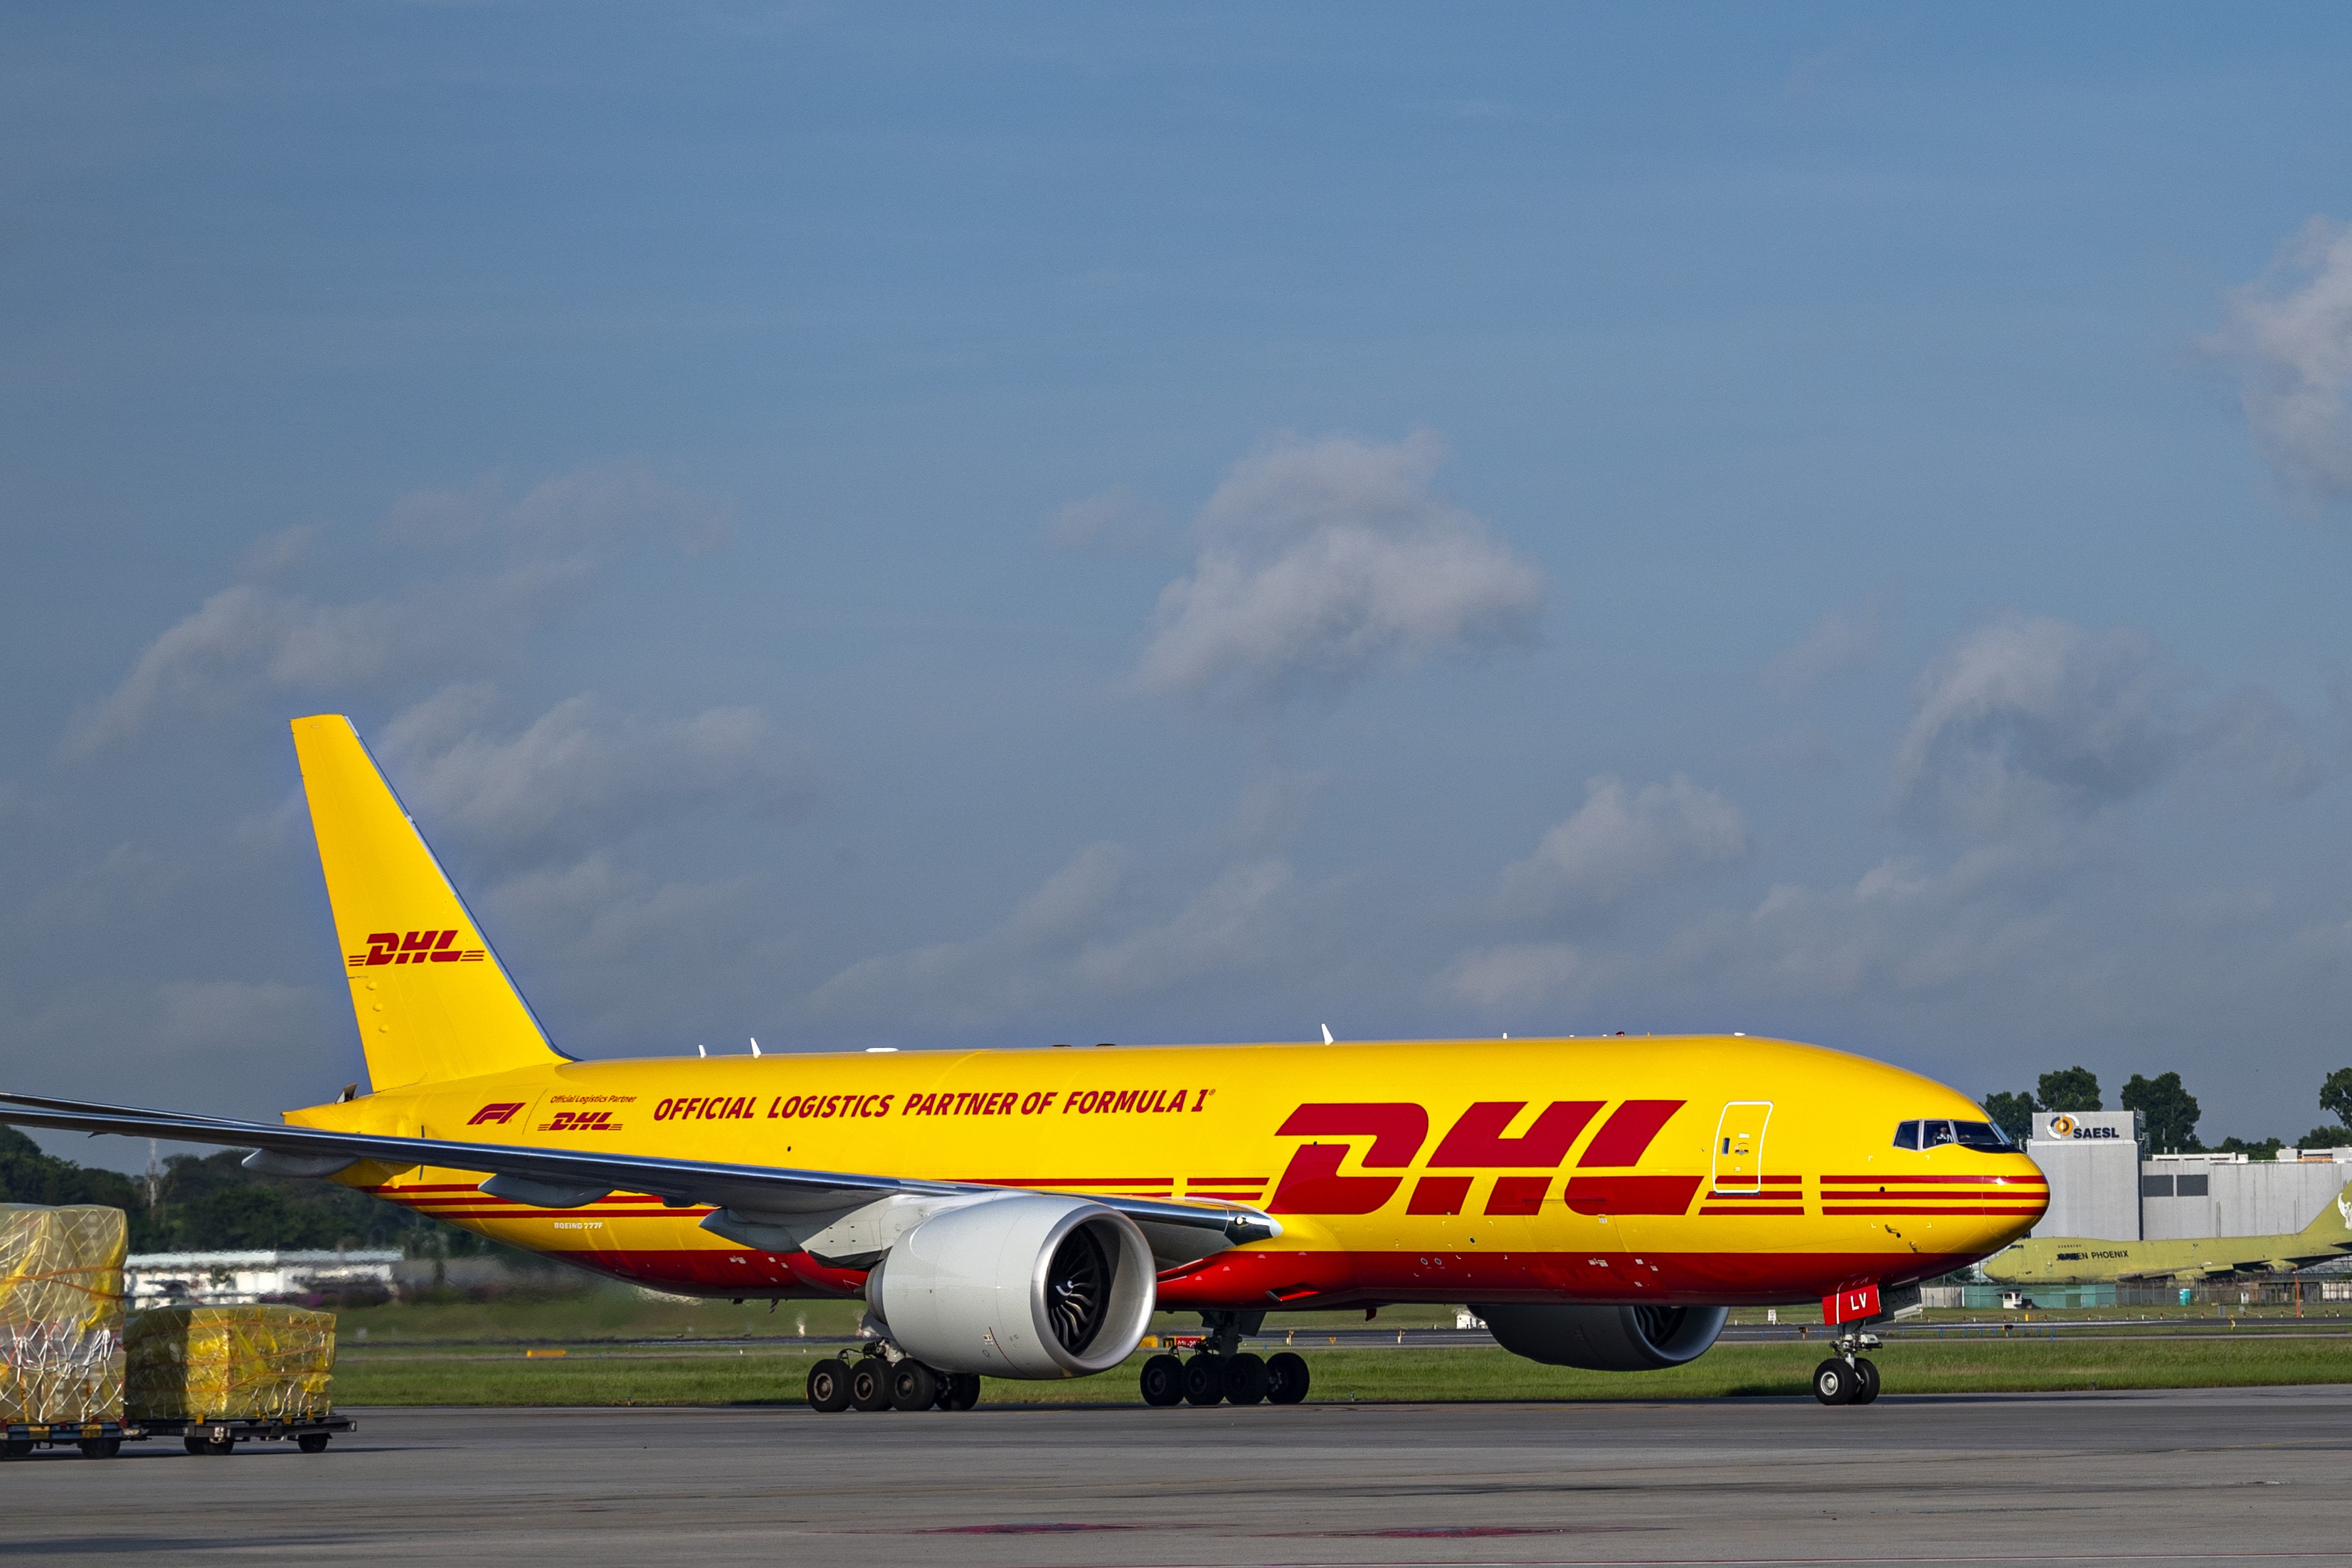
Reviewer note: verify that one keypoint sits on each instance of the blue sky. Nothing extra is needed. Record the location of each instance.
(867, 525)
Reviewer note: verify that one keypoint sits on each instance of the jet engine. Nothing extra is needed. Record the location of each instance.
(1034, 1285)
(1606, 1339)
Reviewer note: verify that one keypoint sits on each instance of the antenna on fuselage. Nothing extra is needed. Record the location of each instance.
(700, 1052)
(755, 1043)
(1326, 1034)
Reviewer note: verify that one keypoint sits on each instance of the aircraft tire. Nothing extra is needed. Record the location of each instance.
(1868, 1389)
(869, 1385)
(1835, 1383)
(913, 1386)
(1163, 1381)
(828, 1386)
(1204, 1379)
(1285, 1378)
(1246, 1381)
(959, 1390)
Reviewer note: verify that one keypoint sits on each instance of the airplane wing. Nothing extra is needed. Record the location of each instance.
(794, 1201)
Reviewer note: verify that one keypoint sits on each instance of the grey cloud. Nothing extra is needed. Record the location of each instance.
(581, 774)
(2289, 336)
(2032, 717)
(511, 561)
(1516, 976)
(1839, 639)
(1115, 519)
(1061, 944)
(250, 638)
(1622, 840)
(593, 509)
(1322, 562)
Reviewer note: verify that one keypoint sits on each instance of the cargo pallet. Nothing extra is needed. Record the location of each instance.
(218, 1435)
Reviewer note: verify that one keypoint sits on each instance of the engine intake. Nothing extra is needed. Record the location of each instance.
(1606, 1339)
(1033, 1285)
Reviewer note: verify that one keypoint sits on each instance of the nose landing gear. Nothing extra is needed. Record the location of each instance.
(1848, 1377)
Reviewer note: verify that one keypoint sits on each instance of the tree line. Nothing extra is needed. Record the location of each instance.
(210, 1203)
(2169, 1112)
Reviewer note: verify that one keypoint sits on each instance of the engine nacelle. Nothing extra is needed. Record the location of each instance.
(1606, 1339)
(1034, 1286)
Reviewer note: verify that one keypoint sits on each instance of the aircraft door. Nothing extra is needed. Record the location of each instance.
(1739, 1146)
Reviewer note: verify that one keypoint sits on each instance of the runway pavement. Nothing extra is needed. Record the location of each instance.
(2235, 1476)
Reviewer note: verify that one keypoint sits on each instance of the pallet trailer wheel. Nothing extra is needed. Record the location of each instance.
(312, 1442)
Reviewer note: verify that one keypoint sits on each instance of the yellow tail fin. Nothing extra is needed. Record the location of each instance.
(432, 999)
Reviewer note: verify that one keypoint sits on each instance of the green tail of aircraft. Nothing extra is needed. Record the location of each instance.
(2079, 1259)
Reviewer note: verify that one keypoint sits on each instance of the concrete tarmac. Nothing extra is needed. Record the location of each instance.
(2227, 1476)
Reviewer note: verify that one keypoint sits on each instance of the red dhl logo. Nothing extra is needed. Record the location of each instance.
(1312, 1183)
(413, 947)
(581, 1121)
(501, 1113)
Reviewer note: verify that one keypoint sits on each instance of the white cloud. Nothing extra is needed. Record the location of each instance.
(1322, 562)
(1839, 639)
(2031, 717)
(2290, 337)
(1621, 840)
(580, 774)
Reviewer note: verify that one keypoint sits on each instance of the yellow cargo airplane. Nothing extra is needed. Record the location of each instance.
(2082, 1259)
(1601, 1202)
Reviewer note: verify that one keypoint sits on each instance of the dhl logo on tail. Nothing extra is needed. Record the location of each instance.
(413, 947)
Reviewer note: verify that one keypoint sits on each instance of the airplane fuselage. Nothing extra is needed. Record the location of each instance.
(1681, 1170)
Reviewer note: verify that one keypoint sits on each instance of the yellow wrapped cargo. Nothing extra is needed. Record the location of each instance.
(203, 1362)
(60, 1313)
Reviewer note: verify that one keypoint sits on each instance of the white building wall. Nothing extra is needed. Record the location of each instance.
(2258, 1198)
(2092, 1161)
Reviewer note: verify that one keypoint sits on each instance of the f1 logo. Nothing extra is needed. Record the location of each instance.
(500, 1113)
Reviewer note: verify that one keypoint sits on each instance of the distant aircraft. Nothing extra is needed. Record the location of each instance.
(2090, 1260)
(1600, 1203)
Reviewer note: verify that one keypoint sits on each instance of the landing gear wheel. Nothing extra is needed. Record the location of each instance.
(1163, 1381)
(1868, 1391)
(1285, 1378)
(101, 1447)
(828, 1386)
(913, 1386)
(1246, 1381)
(313, 1442)
(959, 1390)
(869, 1385)
(1204, 1379)
(1835, 1383)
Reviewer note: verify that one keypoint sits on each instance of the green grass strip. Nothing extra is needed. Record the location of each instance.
(761, 1375)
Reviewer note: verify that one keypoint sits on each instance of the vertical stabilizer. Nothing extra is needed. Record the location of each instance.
(433, 1001)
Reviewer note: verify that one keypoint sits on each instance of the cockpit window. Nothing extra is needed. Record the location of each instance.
(1981, 1135)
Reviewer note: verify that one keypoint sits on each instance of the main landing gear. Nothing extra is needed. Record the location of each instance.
(880, 1381)
(1848, 1377)
(1221, 1371)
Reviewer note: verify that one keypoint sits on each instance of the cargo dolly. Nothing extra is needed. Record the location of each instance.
(215, 1434)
